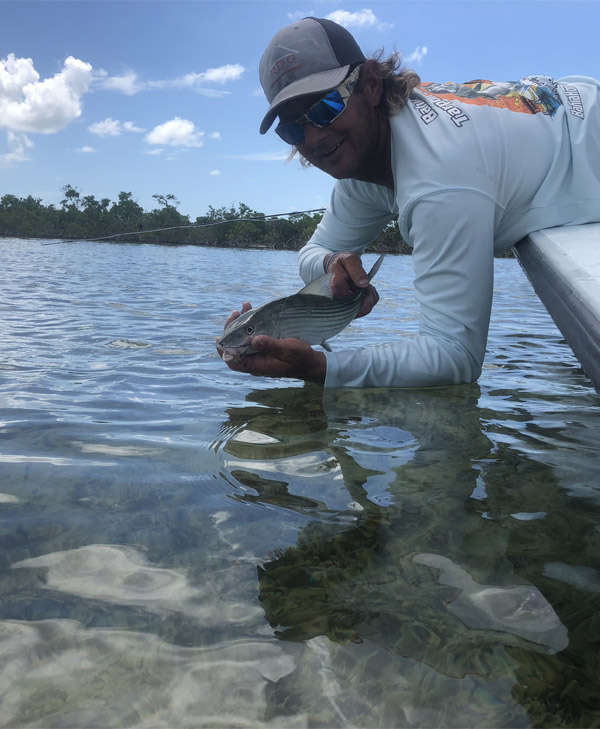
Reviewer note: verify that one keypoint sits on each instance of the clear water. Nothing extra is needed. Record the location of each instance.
(184, 546)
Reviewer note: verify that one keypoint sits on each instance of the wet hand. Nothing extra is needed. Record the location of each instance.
(284, 358)
(348, 275)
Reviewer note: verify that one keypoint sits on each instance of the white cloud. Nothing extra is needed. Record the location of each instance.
(176, 133)
(15, 73)
(417, 55)
(130, 83)
(215, 173)
(364, 18)
(16, 146)
(198, 81)
(130, 127)
(113, 127)
(216, 135)
(299, 14)
(107, 128)
(127, 83)
(30, 105)
(211, 93)
(221, 75)
(86, 150)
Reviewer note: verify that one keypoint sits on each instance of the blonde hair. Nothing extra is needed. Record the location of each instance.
(398, 84)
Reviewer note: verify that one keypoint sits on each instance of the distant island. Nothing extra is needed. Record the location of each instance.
(83, 217)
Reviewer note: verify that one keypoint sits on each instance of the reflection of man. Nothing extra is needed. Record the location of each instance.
(300, 456)
(463, 179)
(442, 583)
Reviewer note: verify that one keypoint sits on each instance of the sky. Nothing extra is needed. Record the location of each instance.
(162, 97)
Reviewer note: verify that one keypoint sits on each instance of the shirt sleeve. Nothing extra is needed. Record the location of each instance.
(452, 234)
(357, 213)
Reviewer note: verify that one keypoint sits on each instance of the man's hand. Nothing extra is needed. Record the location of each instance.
(279, 357)
(347, 275)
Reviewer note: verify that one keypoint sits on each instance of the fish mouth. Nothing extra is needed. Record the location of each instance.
(234, 354)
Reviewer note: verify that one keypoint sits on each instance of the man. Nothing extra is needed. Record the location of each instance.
(467, 169)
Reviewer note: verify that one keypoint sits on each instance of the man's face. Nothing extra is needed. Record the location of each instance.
(344, 148)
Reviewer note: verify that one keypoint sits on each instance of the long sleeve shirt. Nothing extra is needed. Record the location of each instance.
(476, 167)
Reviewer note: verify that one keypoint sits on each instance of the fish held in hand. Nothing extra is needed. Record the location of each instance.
(312, 315)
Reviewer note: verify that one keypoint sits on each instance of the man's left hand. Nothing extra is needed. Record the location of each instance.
(283, 358)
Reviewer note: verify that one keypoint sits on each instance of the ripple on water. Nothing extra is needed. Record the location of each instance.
(182, 545)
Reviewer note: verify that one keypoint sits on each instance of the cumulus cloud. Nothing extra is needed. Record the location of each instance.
(215, 173)
(30, 105)
(216, 136)
(113, 127)
(16, 149)
(107, 128)
(364, 18)
(176, 133)
(86, 150)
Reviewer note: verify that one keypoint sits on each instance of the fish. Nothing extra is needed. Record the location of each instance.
(312, 315)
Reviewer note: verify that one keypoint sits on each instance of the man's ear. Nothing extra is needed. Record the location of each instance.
(371, 82)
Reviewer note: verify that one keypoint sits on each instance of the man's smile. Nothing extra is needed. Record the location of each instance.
(331, 150)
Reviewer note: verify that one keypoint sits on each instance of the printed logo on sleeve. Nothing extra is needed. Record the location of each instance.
(531, 95)
(573, 99)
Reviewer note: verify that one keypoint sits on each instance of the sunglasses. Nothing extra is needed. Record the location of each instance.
(321, 113)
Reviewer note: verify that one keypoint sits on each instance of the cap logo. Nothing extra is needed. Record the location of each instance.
(282, 66)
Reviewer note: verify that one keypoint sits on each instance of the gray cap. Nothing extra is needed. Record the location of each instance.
(306, 57)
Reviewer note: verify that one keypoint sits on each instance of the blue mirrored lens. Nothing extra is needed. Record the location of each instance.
(326, 110)
(322, 113)
(292, 132)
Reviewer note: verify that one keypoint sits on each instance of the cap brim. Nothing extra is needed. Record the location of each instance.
(313, 84)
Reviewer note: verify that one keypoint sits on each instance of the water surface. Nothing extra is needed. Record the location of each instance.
(184, 546)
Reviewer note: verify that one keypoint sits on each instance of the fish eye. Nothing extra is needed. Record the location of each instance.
(250, 329)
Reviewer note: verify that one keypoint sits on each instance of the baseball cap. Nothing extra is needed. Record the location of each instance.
(306, 57)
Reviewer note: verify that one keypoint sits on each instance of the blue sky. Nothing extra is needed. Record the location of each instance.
(163, 97)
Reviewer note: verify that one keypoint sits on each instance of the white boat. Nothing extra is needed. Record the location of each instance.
(563, 265)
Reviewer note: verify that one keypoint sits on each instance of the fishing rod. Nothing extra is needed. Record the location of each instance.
(261, 218)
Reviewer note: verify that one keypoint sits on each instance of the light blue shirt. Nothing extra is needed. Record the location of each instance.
(476, 168)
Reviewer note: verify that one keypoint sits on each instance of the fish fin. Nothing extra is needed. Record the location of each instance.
(325, 345)
(321, 286)
(376, 266)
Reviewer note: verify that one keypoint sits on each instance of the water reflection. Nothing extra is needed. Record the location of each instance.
(425, 540)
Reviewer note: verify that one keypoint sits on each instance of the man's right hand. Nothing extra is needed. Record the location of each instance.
(348, 275)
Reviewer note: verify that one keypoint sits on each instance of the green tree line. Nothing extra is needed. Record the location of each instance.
(84, 217)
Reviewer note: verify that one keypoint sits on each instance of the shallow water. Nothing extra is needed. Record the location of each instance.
(184, 546)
